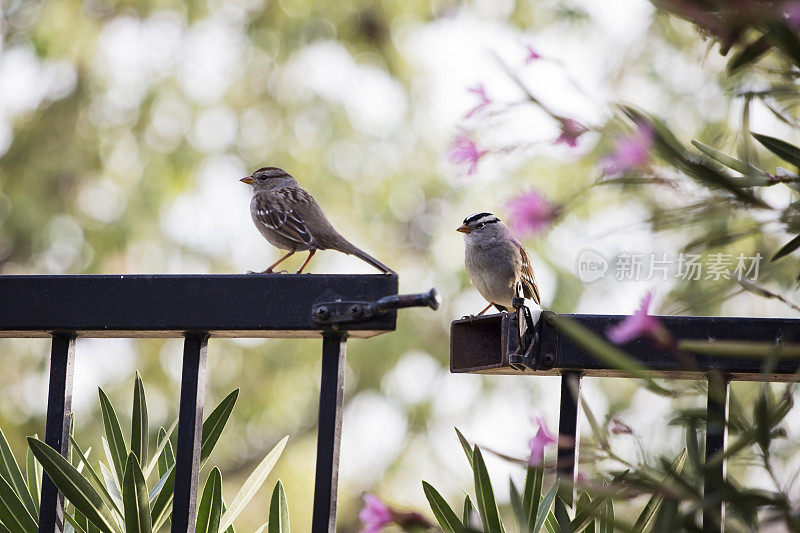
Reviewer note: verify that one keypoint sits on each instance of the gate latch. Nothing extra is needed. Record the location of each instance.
(339, 312)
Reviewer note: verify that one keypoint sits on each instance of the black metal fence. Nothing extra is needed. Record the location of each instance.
(197, 307)
(492, 345)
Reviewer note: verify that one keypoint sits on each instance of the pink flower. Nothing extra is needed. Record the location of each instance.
(792, 14)
(632, 151)
(375, 514)
(637, 325)
(531, 214)
(532, 56)
(618, 427)
(542, 438)
(464, 150)
(484, 100)
(570, 131)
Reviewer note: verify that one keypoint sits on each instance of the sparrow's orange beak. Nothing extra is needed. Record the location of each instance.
(248, 180)
(463, 229)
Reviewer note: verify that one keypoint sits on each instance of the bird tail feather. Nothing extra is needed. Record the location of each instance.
(364, 256)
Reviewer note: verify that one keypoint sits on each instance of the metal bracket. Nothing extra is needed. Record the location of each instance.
(339, 312)
(524, 356)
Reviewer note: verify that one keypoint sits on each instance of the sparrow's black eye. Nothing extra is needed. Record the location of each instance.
(262, 177)
(480, 224)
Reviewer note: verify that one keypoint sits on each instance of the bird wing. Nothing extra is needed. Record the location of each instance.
(274, 210)
(529, 287)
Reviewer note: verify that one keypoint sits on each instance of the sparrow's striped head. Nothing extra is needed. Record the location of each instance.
(477, 221)
(266, 176)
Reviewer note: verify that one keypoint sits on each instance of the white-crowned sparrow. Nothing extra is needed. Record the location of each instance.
(496, 262)
(290, 219)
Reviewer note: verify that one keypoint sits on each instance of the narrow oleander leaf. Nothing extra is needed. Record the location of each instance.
(104, 493)
(444, 514)
(111, 485)
(543, 512)
(139, 422)
(161, 508)
(78, 525)
(466, 513)
(787, 248)
(749, 54)
(116, 442)
(74, 486)
(465, 445)
(278, 511)
(209, 510)
(252, 484)
(786, 40)
(484, 495)
(787, 152)
(731, 162)
(587, 511)
(552, 523)
(163, 456)
(532, 494)
(607, 519)
(262, 529)
(134, 498)
(215, 423)
(33, 472)
(13, 512)
(156, 490)
(516, 504)
(10, 471)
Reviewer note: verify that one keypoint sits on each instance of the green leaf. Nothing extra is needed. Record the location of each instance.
(161, 509)
(787, 248)
(278, 511)
(444, 514)
(104, 491)
(163, 444)
(252, 484)
(785, 40)
(210, 509)
(33, 471)
(165, 454)
(13, 513)
(543, 512)
(156, 490)
(552, 523)
(465, 445)
(116, 442)
(139, 422)
(749, 54)
(654, 504)
(584, 503)
(73, 485)
(10, 471)
(532, 493)
(784, 150)
(79, 522)
(466, 514)
(484, 495)
(587, 512)
(607, 518)
(516, 504)
(733, 163)
(134, 498)
(215, 423)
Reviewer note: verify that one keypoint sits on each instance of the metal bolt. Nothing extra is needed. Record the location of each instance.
(356, 311)
(549, 360)
(322, 313)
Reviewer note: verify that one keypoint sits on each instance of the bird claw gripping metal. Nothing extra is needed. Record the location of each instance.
(524, 356)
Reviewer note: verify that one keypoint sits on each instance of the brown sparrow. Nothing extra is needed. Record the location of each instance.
(290, 219)
(496, 262)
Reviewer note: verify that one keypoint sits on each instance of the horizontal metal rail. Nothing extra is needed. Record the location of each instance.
(166, 305)
(196, 307)
(483, 344)
(490, 345)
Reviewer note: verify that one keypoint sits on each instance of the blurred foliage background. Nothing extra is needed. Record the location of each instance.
(124, 126)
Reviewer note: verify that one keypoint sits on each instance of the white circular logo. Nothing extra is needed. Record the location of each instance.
(591, 266)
